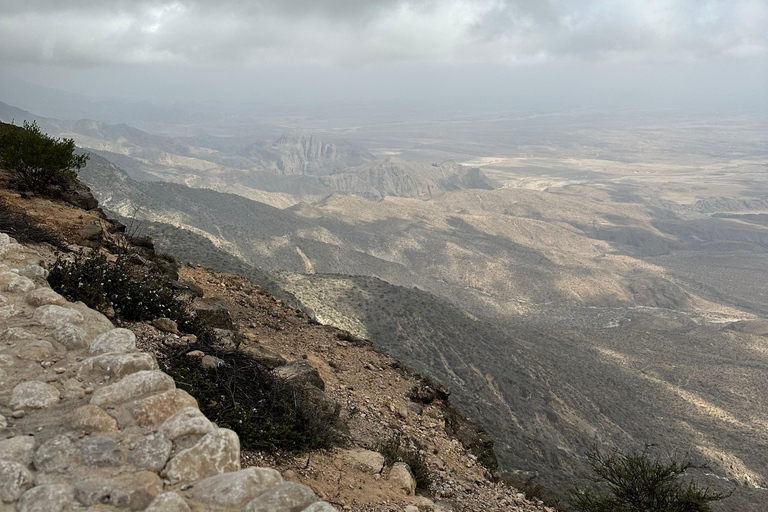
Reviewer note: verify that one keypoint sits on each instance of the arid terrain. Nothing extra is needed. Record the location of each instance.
(573, 277)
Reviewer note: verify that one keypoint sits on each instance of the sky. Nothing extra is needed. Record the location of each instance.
(447, 53)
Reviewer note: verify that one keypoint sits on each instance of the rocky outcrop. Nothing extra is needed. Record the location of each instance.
(86, 420)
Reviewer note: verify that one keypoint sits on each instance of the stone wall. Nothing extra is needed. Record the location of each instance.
(87, 422)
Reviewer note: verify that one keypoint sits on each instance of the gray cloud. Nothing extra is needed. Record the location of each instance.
(358, 33)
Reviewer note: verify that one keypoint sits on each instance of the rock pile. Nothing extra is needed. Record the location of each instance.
(89, 423)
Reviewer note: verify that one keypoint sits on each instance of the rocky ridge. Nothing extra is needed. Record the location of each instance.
(89, 422)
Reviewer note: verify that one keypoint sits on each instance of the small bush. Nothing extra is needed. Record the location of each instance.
(635, 483)
(398, 449)
(133, 293)
(266, 413)
(38, 160)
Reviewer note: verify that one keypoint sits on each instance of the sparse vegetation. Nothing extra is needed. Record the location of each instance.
(636, 483)
(37, 160)
(266, 413)
(400, 449)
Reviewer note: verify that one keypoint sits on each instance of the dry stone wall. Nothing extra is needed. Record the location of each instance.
(89, 423)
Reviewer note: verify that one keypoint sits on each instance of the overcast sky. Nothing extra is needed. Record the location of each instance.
(545, 52)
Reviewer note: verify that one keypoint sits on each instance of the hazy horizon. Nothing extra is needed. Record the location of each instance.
(394, 55)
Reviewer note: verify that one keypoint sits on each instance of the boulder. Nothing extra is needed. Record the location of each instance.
(402, 476)
(225, 341)
(264, 357)
(156, 408)
(46, 498)
(15, 479)
(53, 316)
(133, 386)
(18, 449)
(20, 284)
(34, 395)
(217, 452)
(71, 336)
(56, 454)
(320, 506)
(211, 362)
(188, 421)
(300, 373)
(214, 311)
(100, 451)
(165, 325)
(151, 453)
(43, 296)
(168, 502)
(116, 340)
(234, 489)
(369, 461)
(284, 497)
(90, 418)
(115, 365)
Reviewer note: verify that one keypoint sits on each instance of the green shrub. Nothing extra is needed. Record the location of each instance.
(399, 449)
(636, 483)
(38, 160)
(135, 294)
(266, 413)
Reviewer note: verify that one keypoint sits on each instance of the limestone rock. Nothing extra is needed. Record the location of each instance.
(56, 454)
(131, 490)
(20, 284)
(225, 341)
(15, 478)
(213, 311)
(15, 334)
(235, 489)
(18, 449)
(300, 373)
(217, 452)
(71, 336)
(90, 418)
(34, 395)
(285, 497)
(132, 386)
(371, 462)
(402, 476)
(151, 453)
(100, 451)
(36, 350)
(211, 362)
(115, 365)
(54, 316)
(3, 421)
(168, 502)
(34, 271)
(43, 296)
(46, 498)
(157, 408)
(116, 340)
(165, 325)
(188, 421)
(265, 357)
